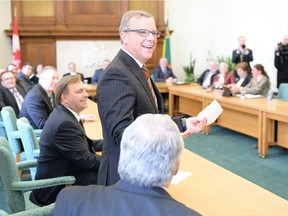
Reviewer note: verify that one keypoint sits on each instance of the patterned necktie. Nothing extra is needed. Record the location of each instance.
(148, 79)
(18, 97)
(52, 99)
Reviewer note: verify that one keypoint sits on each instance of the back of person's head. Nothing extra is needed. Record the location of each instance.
(243, 65)
(62, 87)
(260, 67)
(150, 151)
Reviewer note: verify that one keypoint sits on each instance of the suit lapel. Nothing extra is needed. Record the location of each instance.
(136, 70)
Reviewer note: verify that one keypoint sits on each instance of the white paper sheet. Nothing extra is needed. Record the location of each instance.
(180, 176)
(211, 112)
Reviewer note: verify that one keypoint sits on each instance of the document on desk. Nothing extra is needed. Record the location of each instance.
(180, 176)
(211, 112)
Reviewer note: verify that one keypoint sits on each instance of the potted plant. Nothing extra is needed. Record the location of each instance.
(228, 61)
(189, 70)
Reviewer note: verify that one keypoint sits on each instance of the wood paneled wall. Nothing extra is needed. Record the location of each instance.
(42, 23)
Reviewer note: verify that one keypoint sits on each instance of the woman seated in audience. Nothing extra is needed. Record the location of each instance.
(243, 73)
(224, 78)
(259, 84)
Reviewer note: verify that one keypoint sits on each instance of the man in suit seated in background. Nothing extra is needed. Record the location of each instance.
(162, 72)
(72, 71)
(206, 78)
(24, 75)
(65, 149)
(11, 94)
(150, 155)
(98, 73)
(39, 102)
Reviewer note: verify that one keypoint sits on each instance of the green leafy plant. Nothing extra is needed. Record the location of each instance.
(227, 60)
(189, 70)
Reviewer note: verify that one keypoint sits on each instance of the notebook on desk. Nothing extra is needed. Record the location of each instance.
(250, 96)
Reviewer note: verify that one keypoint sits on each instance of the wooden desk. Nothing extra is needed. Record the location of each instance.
(211, 190)
(214, 191)
(91, 89)
(276, 111)
(162, 86)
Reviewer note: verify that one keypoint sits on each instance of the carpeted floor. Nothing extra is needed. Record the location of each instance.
(234, 152)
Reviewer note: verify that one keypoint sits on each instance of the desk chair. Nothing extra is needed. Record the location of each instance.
(283, 91)
(2, 128)
(29, 141)
(17, 191)
(39, 211)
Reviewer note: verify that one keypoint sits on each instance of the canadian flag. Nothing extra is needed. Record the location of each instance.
(16, 43)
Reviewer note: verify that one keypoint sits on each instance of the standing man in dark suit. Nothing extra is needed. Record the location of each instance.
(39, 102)
(65, 148)
(150, 154)
(126, 91)
(242, 54)
(10, 93)
(24, 75)
(72, 71)
(162, 72)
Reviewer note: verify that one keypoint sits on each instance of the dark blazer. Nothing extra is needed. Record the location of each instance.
(246, 80)
(122, 95)
(123, 198)
(36, 107)
(246, 58)
(7, 98)
(97, 75)
(65, 150)
(25, 82)
(158, 75)
(82, 76)
(201, 79)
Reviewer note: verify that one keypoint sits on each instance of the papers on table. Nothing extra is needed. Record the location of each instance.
(250, 96)
(180, 176)
(211, 112)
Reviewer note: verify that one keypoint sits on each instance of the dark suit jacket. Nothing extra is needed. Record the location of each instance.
(246, 80)
(97, 75)
(25, 82)
(122, 95)
(7, 98)
(201, 79)
(158, 75)
(123, 198)
(246, 58)
(82, 76)
(65, 150)
(36, 107)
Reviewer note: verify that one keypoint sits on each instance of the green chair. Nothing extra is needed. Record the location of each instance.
(17, 191)
(39, 211)
(2, 128)
(29, 141)
(283, 91)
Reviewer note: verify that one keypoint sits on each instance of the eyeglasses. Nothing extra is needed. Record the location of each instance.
(145, 32)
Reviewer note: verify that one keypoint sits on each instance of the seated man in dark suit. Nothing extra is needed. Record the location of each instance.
(10, 93)
(72, 71)
(206, 78)
(98, 73)
(65, 148)
(39, 102)
(24, 75)
(150, 153)
(163, 72)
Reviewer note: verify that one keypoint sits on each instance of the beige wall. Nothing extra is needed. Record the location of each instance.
(5, 42)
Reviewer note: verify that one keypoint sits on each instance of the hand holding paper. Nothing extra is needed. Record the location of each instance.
(211, 112)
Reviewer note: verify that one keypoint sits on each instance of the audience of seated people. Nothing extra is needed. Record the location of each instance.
(65, 148)
(24, 77)
(151, 148)
(162, 72)
(206, 78)
(39, 102)
(11, 94)
(259, 84)
(224, 78)
(72, 71)
(98, 73)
